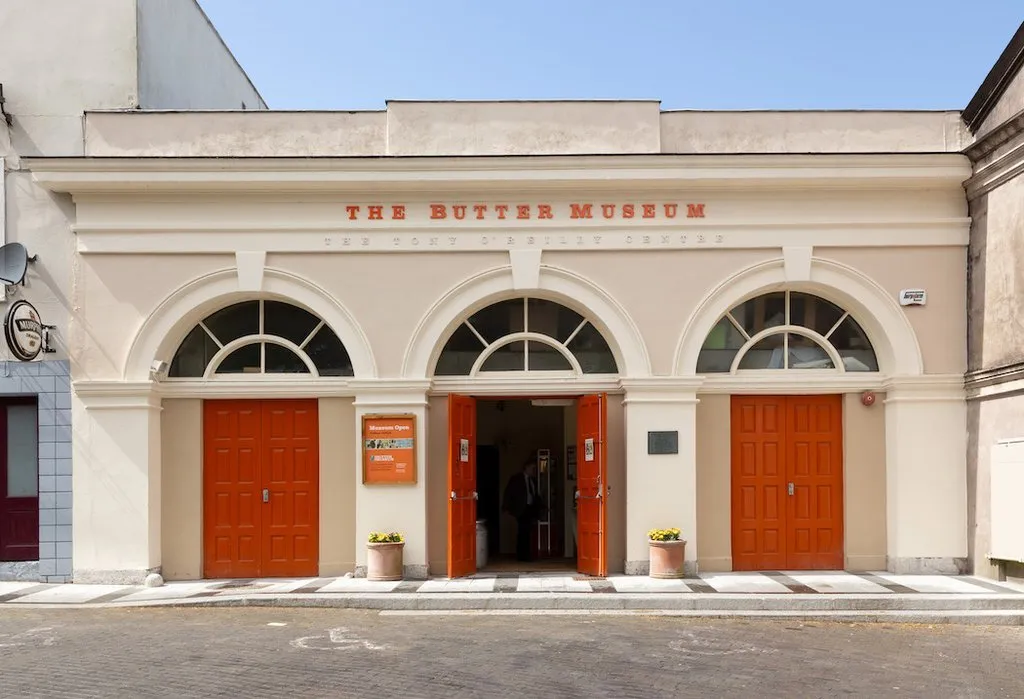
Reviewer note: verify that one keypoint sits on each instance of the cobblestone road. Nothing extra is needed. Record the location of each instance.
(250, 652)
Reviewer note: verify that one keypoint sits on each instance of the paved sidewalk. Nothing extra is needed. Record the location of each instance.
(778, 591)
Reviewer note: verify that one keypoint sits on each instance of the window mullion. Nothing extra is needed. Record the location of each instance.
(310, 337)
(213, 337)
(739, 327)
(480, 337)
(836, 326)
(575, 333)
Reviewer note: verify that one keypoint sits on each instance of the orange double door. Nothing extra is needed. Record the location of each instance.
(591, 480)
(787, 483)
(260, 488)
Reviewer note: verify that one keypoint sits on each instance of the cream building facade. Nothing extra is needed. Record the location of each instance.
(760, 261)
(748, 325)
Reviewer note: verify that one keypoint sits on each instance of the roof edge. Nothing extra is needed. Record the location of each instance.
(992, 87)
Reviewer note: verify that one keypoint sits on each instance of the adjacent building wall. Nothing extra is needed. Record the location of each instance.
(184, 64)
(996, 331)
(57, 59)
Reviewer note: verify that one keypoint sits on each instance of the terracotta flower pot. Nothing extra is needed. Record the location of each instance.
(667, 558)
(384, 560)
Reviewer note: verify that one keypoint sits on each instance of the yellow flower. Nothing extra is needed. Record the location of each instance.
(672, 534)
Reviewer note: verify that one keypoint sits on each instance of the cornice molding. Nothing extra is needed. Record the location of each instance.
(437, 174)
(995, 381)
(991, 141)
(1003, 169)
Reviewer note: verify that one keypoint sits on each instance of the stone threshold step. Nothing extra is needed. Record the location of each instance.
(972, 617)
(694, 603)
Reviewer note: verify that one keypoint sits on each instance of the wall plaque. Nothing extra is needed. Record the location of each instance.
(663, 442)
(389, 449)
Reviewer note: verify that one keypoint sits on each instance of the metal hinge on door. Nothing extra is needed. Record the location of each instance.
(266, 495)
(790, 488)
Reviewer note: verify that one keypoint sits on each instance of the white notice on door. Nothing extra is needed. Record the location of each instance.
(464, 450)
(588, 449)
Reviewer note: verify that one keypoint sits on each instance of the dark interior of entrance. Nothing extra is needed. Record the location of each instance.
(509, 432)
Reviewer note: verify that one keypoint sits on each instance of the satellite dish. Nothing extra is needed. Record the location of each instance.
(13, 263)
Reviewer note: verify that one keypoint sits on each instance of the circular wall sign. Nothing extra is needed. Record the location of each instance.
(23, 331)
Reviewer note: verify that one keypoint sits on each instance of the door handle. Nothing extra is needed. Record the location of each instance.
(790, 488)
(266, 495)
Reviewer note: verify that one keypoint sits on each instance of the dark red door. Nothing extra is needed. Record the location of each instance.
(787, 483)
(19, 480)
(592, 482)
(261, 496)
(462, 495)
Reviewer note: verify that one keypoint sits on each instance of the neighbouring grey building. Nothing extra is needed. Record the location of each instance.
(59, 59)
(995, 377)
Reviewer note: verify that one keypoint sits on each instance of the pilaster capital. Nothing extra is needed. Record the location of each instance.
(925, 388)
(117, 395)
(661, 389)
(373, 393)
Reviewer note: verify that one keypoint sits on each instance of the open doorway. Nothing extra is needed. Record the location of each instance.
(511, 434)
(563, 441)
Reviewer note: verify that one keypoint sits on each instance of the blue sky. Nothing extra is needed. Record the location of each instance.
(690, 54)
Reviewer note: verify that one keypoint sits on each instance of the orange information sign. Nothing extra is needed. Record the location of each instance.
(389, 449)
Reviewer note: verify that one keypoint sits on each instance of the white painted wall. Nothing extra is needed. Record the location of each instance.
(184, 63)
(57, 59)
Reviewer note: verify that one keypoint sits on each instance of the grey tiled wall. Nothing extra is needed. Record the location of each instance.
(50, 382)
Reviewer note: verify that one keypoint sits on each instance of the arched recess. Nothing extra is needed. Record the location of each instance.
(555, 284)
(883, 321)
(164, 330)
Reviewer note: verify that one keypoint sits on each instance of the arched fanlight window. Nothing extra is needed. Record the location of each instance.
(526, 334)
(260, 337)
(786, 330)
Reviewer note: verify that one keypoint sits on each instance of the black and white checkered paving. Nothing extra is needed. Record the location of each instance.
(763, 583)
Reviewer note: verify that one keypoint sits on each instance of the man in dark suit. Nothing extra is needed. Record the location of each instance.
(522, 501)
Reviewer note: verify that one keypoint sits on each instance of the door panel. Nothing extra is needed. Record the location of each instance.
(758, 484)
(787, 497)
(592, 482)
(19, 480)
(815, 517)
(290, 532)
(250, 446)
(462, 493)
(232, 498)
